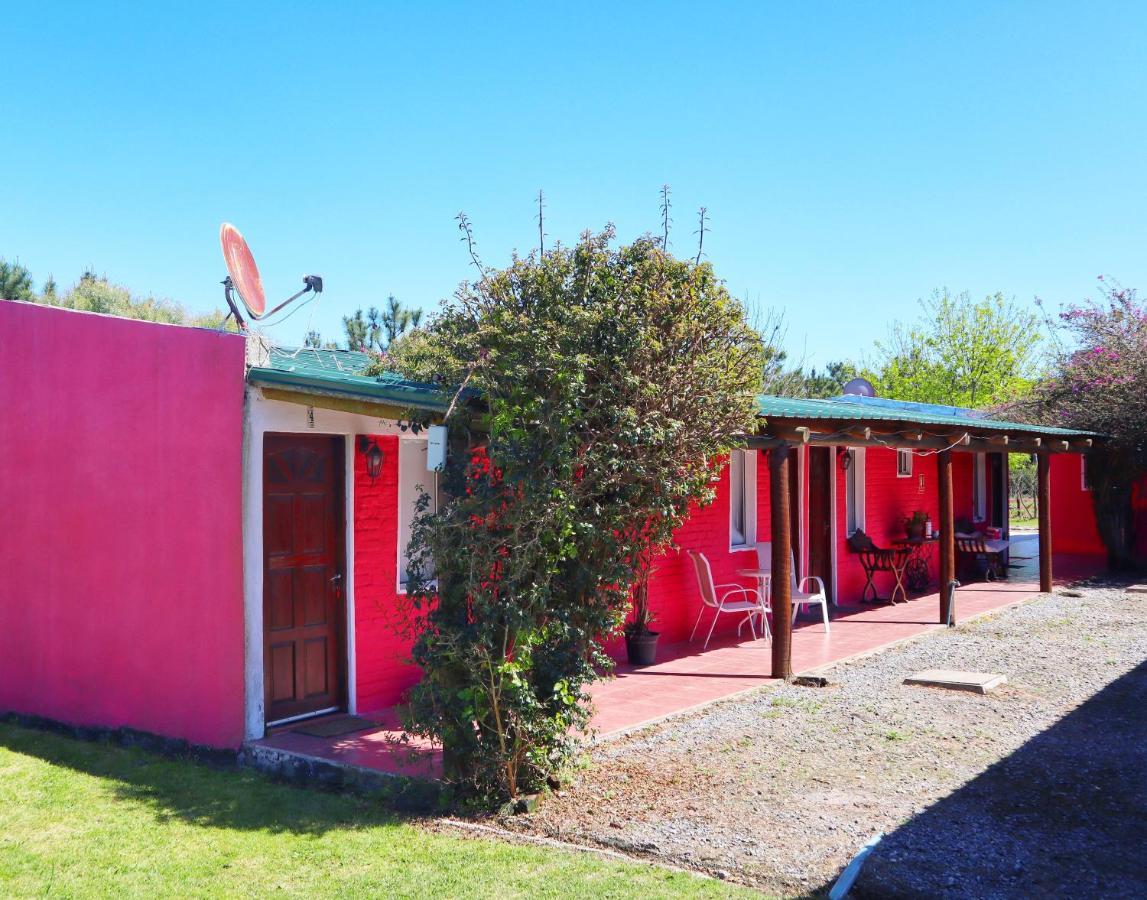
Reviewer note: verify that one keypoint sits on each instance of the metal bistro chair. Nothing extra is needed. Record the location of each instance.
(800, 596)
(720, 602)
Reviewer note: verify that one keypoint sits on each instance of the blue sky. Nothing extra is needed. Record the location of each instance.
(853, 156)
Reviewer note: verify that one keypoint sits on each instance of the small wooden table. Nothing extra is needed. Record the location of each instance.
(916, 567)
(876, 559)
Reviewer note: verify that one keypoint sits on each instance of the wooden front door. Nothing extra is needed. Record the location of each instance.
(303, 559)
(820, 474)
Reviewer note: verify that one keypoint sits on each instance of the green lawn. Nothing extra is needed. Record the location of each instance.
(92, 820)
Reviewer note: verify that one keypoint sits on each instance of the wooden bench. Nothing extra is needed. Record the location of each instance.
(970, 551)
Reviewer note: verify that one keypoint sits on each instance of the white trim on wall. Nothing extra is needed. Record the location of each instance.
(348, 573)
(748, 500)
(262, 416)
(833, 531)
(411, 453)
(857, 472)
(979, 487)
(802, 509)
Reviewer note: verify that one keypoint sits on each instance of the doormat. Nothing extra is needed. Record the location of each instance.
(334, 726)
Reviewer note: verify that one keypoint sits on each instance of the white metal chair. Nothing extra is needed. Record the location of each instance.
(717, 597)
(800, 597)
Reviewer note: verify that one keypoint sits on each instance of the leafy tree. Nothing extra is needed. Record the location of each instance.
(15, 282)
(1098, 382)
(315, 341)
(830, 382)
(781, 377)
(362, 332)
(95, 293)
(610, 379)
(367, 331)
(962, 352)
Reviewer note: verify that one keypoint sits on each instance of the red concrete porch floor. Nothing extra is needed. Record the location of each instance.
(385, 749)
(688, 677)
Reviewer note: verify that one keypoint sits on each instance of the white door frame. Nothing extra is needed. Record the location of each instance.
(263, 416)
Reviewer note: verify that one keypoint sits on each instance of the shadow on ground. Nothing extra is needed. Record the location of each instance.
(1062, 816)
(208, 796)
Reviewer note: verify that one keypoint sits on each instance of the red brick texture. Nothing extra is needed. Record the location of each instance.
(1073, 528)
(673, 590)
(889, 500)
(382, 651)
(383, 669)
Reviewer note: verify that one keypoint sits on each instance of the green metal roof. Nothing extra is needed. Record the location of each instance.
(341, 372)
(879, 409)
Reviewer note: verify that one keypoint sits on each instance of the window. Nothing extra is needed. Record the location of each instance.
(979, 488)
(1084, 477)
(742, 499)
(854, 491)
(903, 463)
(412, 475)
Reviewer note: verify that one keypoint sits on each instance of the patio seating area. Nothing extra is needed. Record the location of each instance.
(688, 676)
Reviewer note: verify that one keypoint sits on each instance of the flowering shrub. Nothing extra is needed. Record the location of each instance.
(604, 381)
(1099, 383)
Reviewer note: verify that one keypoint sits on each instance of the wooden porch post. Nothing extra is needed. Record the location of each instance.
(1043, 498)
(782, 598)
(947, 531)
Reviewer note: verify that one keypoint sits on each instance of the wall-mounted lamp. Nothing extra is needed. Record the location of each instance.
(845, 460)
(373, 453)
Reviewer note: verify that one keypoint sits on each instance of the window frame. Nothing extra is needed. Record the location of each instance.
(902, 455)
(747, 500)
(979, 487)
(854, 490)
(411, 451)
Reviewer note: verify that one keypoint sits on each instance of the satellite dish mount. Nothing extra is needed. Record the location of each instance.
(243, 281)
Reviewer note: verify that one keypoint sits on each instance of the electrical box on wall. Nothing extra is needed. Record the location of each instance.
(435, 448)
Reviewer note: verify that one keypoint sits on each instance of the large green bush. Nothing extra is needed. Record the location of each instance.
(602, 383)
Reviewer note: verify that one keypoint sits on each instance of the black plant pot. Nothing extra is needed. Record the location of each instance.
(642, 648)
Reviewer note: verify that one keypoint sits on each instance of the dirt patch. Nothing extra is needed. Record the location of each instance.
(779, 789)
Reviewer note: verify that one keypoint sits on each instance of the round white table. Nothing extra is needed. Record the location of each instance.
(764, 580)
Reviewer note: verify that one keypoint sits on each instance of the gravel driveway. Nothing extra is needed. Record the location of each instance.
(779, 789)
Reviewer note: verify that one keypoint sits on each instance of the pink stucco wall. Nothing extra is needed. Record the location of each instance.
(121, 583)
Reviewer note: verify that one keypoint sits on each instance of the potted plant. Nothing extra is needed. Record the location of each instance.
(640, 639)
(915, 525)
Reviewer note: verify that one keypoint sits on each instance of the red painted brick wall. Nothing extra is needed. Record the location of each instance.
(888, 501)
(673, 590)
(1073, 528)
(382, 651)
(1139, 510)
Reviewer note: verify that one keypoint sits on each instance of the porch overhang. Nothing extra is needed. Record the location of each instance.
(909, 436)
(874, 422)
(853, 421)
(336, 379)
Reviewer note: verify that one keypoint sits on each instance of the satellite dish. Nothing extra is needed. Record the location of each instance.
(243, 278)
(859, 387)
(244, 273)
